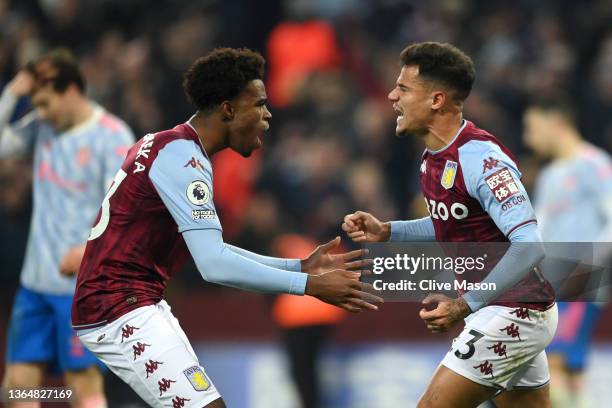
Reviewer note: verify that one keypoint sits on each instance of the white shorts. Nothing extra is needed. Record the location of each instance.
(503, 347)
(148, 350)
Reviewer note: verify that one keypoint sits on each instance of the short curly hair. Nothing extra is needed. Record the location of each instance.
(443, 63)
(221, 75)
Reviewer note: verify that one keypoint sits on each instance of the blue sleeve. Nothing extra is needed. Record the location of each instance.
(525, 252)
(218, 263)
(597, 176)
(493, 179)
(596, 173)
(19, 137)
(421, 230)
(115, 148)
(185, 189)
(279, 263)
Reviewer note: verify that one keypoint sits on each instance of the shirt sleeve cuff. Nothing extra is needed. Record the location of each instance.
(294, 265)
(397, 231)
(473, 301)
(8, 101)
(8, 97)
(298, 284)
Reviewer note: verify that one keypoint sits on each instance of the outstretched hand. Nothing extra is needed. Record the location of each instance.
(321, 261)
(447, 313)
(343, 289)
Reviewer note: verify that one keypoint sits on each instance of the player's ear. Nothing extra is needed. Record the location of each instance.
(438, 99)
(227, 111)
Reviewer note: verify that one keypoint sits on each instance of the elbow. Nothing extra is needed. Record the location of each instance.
(217, 269)
(207, 267)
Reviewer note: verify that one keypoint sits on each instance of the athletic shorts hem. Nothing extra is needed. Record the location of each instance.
(205, 401)
(473, 377)
(530, 387)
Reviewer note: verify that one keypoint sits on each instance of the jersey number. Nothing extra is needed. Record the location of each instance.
(476, 336)
(100, 227)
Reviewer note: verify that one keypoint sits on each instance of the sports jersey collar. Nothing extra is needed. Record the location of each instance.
(464, 124)
(188, 123)
(97, 112)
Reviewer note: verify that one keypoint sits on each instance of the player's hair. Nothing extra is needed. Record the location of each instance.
(559, 103)
(63, 70)
(443, 63)
(221, 76)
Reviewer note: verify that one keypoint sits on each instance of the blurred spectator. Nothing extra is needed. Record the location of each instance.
(331, 148)
(332, 64)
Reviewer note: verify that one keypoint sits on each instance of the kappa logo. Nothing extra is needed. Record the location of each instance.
(512, 331)
(151, 366)
(164, 385)
(521, 313)
(195, 163)
(198, 192)
(139, 348)
(178, 402)
(486, 368)
(499, 348)
(127, 331)
(197, 377)
(489, 164)
(448, 176)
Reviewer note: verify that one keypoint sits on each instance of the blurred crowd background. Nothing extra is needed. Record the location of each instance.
(330, 64)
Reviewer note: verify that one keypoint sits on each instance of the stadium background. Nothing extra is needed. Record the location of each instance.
(330, 150)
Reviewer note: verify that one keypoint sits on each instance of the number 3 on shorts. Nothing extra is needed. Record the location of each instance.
(100, 227)
(470, 343)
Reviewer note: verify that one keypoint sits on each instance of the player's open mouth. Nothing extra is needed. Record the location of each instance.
(400, 114)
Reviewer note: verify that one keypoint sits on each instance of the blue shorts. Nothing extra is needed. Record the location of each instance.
(40, 331)
(577, 322)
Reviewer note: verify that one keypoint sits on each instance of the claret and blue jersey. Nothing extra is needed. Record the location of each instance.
(165, 181)
(158, 212)
(473, 192)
